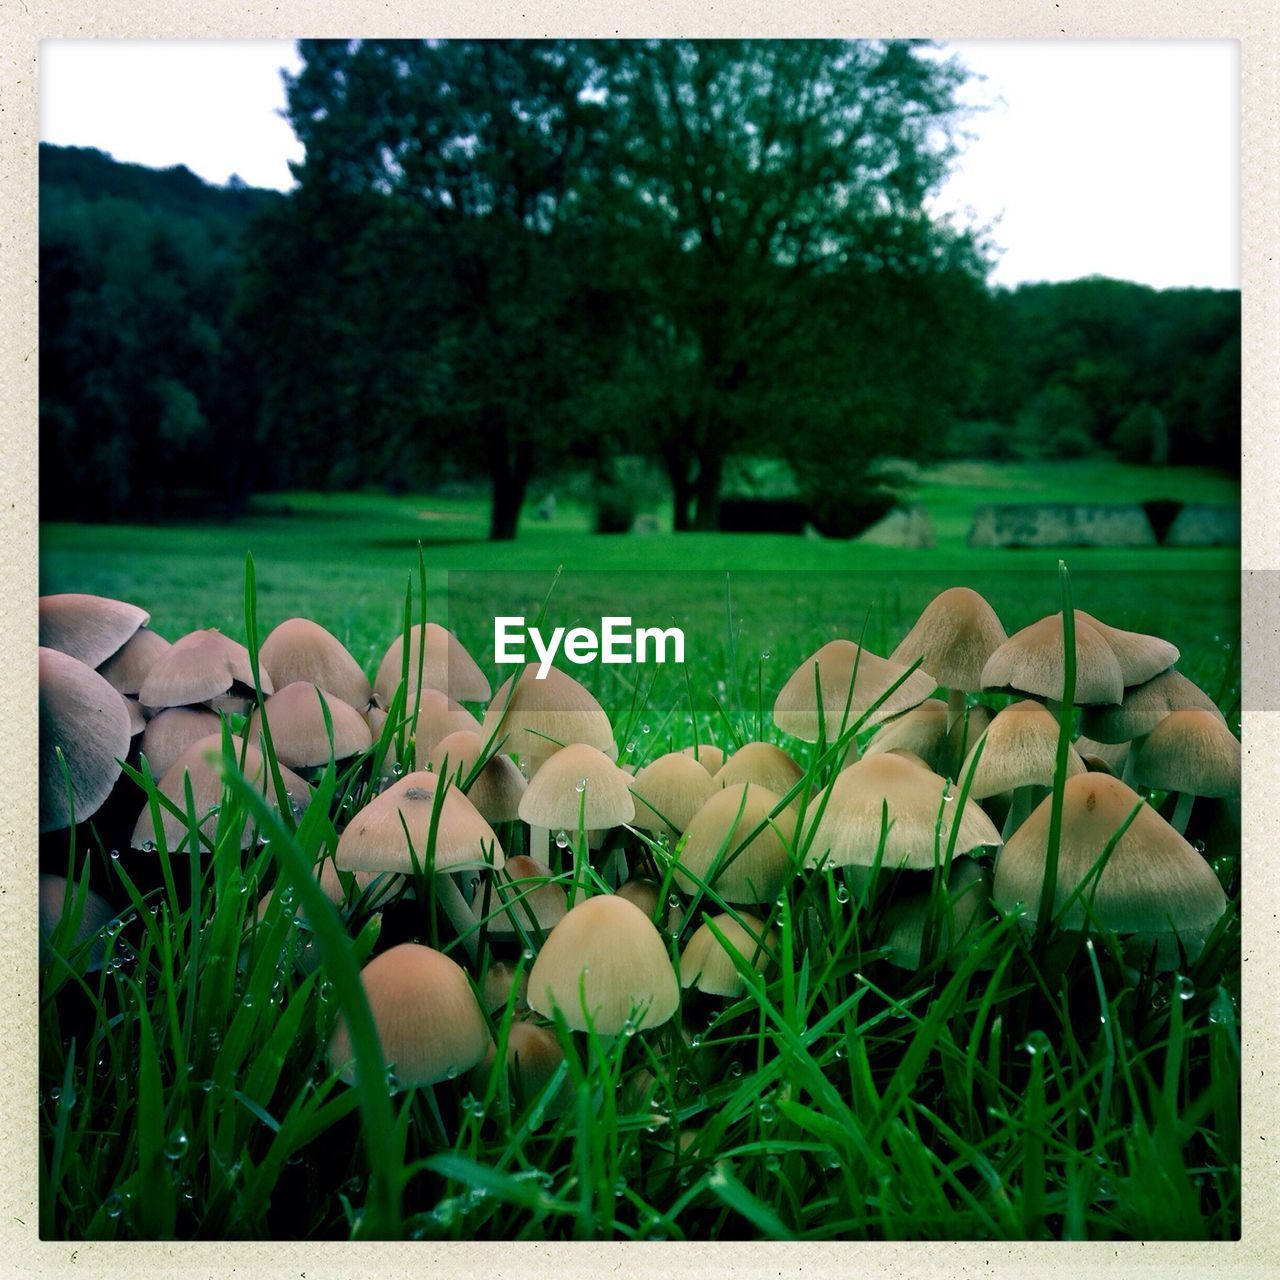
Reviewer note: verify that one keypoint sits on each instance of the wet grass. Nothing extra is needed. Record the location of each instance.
(1021, 1088)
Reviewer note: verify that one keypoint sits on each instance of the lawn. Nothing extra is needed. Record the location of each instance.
(345, 560)
(1013, 1087)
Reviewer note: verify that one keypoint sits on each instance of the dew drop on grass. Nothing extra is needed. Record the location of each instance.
(562, 839)
(452, 1073)
(842, 893)
(620, 1188)
(177, 1145)
(580, 786)
(695, 1042)
(735, 1069)
(115, 855)
(247, 1000)
(768, 1113)
(527, 953)
(206, 1086)
(631, 746)
(644, 728)
(113, 1205)
(1185, 988)
(148, 846)
(629, 1028)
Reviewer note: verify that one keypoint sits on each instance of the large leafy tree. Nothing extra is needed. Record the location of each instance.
(769, 199)
(480, 148)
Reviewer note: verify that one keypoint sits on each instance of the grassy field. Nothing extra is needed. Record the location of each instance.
(345, 561)
(1016, 1088)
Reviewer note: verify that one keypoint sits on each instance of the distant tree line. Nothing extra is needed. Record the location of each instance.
(507, 258)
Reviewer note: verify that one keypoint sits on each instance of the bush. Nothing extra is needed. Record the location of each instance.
(615, 508)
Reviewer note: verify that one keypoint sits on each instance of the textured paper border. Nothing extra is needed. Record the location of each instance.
(1257, 26)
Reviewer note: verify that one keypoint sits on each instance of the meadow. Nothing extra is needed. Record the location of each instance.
(1014, 1087)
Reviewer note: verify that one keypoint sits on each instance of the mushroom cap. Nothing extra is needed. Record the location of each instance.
(1144, 706)
(643, 893)
(127, 668)
(299, 649)
(1141, 657)
(1191, 751)
(298, 731)
(969, 894)
(496, 789)
(762, 763)
(578, 780)
(849, 675)
(533, 718)
(88, 628)
(972, 723)
(171, 731)
(1031, 661)
(1108, 755)
(374, 839)
(499, 978)
(706, 964)
(1020, 750)
(86, 719)
(757, 871)
(526, 887)
(199, 667)
(533, 1057)
(711, 758)
(200, 763)
(428, 1021)
(97, 913)
(922, 731)
(137, 721)
(1154, 881)
(669, 791)
(437, 716)
(848, 833)
(603, 962)
(955, 634)
(447, 667)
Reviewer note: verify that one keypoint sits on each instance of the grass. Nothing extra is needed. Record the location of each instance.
(1017, 1088)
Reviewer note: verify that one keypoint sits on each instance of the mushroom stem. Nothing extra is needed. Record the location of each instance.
(1019, 809)
(1182, 812)
(955, 706)
(615, 867)
(540, 843)
(460, 915)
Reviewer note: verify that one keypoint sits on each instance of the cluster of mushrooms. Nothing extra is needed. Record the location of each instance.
(617, 864)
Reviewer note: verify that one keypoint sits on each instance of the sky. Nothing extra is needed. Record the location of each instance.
(1106, 157)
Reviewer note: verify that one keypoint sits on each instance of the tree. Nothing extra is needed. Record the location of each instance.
(483, 146)
(753, 183)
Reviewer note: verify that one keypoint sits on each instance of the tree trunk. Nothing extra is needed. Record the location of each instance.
(677, 462)
(509, 466)
(708, 493)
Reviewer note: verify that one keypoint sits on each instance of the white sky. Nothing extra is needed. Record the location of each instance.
(1117, 158)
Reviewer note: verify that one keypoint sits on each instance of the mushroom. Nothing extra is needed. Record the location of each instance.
(1153, 884)
(200, 764)
(87, 628)
(1032, 661)
(578, 788)
(171, 731)
(1019, 754)
(1193, 753)
(921, 809)
(533, 718)
(1141, 657)
(496, 790)
(954, 636)
(851, 681)
(710, 757)
(738, 844)
(668, 792)
(299, 649)
(298, 732)
(428, 1022)
(95, 913)
(762, 763)
(922, 731)
(128, 667)
(530, 901)
(707, 965)
(202, 667)
(604, 966)
(85, 719)
(446, 666)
